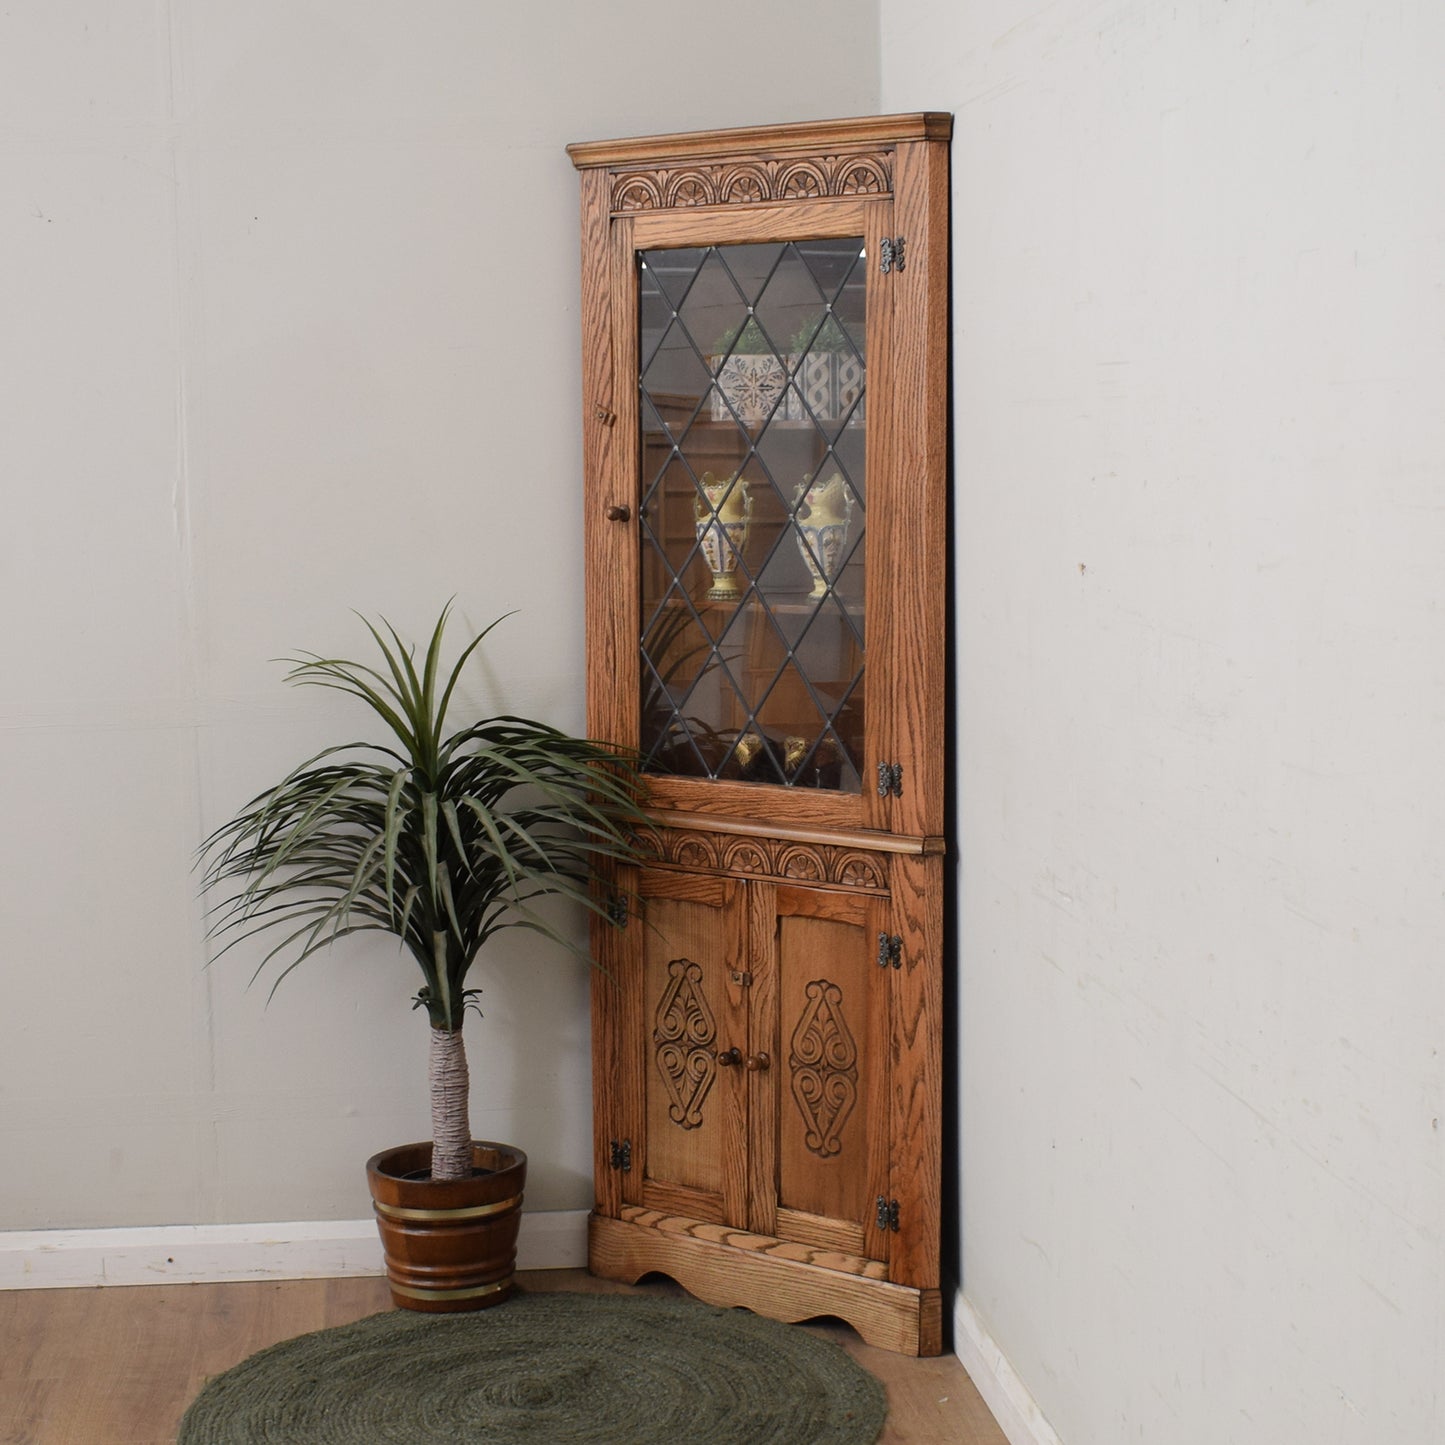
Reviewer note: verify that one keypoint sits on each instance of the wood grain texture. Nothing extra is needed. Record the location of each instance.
(916, 545)
(865, 840)
(610, 631)
(751, 181)
(692, 1013)
(881, 679)
(118, 1366)
(618, 1100)
(833, 1126)
(762, 962)
(825, 1255)
(814, 876)
(614, 1106)
(916, 1050)
(821, 1232)
(765, 857)
(815, 808)
(795, 138)
(891, 1316)
(803, 220)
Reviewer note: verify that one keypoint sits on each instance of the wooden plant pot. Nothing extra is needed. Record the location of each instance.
(450, 1244)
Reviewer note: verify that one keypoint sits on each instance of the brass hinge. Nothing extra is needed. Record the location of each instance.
(622, 1155)
(890, 950)
(890, 254)
(890, 780)
(888, 1214)
(617, 909)
(742, 978)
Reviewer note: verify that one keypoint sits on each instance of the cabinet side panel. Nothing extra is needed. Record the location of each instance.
(917, 1077)
(883, 525)
(919, 442)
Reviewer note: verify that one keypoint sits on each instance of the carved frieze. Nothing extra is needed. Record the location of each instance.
(751, 182)
(822, 863)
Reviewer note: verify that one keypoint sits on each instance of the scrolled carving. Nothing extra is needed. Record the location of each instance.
(684, 1031)
(753, 182)
(823, 1059)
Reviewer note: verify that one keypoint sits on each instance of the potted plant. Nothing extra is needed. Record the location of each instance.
(442, 841)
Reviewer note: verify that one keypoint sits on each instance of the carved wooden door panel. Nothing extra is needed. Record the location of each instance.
(821, 1015)
(689, 1024)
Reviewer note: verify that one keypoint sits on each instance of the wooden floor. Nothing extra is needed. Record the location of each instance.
(118, 1366)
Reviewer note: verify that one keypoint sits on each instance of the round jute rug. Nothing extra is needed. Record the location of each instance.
(553, 1368)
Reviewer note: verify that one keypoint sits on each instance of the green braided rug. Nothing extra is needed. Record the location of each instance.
(553, 1368)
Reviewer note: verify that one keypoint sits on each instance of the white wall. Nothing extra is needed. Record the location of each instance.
(1199, 278)
(288, 326)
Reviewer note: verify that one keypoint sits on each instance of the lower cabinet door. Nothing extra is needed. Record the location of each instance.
(757, 1022)
(820, 1011)
(689, 1020)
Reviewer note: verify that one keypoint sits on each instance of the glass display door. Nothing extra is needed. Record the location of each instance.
(752, 406)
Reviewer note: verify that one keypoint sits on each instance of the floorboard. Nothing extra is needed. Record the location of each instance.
(119, 1365)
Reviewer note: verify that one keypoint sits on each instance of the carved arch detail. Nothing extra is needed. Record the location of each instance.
(745, 184)
(690, 188)
(694, 850)
(744, 855)
(863, 176)
(636, 192)
(802, 862)
(803, 179)
(752, 182)
(857, 870)
(783, 859)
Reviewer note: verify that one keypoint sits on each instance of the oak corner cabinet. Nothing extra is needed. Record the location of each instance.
(765, 362)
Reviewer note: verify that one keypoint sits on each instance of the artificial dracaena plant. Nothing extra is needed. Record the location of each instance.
(441, 840)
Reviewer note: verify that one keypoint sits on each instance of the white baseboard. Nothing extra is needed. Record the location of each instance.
(208, 1253)
(1006, 1396)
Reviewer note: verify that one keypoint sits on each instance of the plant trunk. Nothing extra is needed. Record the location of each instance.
(451, 1127)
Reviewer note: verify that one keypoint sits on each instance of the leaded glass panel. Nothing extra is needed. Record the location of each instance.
(752, 379)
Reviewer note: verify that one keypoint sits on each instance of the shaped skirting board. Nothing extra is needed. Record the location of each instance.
(198, 1253)
(1006, 1396)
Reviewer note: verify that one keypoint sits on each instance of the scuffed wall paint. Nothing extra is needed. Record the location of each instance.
(1199, 274)
(289, 326)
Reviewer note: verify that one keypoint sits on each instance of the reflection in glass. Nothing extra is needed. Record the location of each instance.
(752, 378)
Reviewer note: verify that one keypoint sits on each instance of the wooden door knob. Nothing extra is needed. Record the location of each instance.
(729, 1058)
(758, 1063)
(618, 513)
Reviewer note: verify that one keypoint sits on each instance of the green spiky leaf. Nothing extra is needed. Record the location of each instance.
(439, 839)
